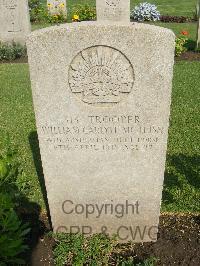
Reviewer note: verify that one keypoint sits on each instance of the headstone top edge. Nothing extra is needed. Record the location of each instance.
(75, 26)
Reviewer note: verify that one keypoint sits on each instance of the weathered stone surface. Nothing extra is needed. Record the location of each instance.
(102, 105)
(113, 10)
(14, 20)
(57, 7)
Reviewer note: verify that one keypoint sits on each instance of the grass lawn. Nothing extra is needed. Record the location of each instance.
(172, 7)
(177, 28)
(182, 179)
(182, 183)
(166, 7)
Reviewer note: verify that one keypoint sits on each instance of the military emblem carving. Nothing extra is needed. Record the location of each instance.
(101, 75)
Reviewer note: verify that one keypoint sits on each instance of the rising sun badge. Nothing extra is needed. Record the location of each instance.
(101, 75)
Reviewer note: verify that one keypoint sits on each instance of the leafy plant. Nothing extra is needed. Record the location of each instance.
(33, 3)
(12, 231)
(41, 13)
(35, 10)
(148, 262)
(84, 12)
(11, 51)
(9, 171)
(145, 12)
(181, 42)
(75, 249)
(56, 18)
(130, 261)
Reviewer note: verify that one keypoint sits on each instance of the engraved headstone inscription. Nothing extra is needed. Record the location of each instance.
(113, 10)
(12, 23)
(14, 20)
(102, 105)
(57, 6)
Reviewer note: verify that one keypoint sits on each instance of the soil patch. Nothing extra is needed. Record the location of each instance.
(189, 56)
(22, 60)
(178, 243)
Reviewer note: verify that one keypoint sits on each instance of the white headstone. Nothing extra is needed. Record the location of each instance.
(57, 6)
(102, 103)
(14, 20)
(113, 10)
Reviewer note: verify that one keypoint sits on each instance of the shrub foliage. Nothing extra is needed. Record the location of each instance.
(11, 51)
(145, 12)
(84, 12)
(12, 231)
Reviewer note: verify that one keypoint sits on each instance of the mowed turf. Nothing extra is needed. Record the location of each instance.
(182, 177)
(166, 7)
(182, 182)
(172, 7)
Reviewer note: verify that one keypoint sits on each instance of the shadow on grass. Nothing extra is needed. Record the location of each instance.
(186, 167)
(29, 213)
(34, 143)
(191, 45)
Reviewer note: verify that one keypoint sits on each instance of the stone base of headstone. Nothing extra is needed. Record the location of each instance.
(14, 21)
(102, 97)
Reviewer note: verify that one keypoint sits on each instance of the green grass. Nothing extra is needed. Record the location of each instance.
(17, 119)
(182, 179)
(170, 7)
(76, 249)
(177, 28)
(37, 26)
(182, 183)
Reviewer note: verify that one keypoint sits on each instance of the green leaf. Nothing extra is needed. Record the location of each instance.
(3, 169)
